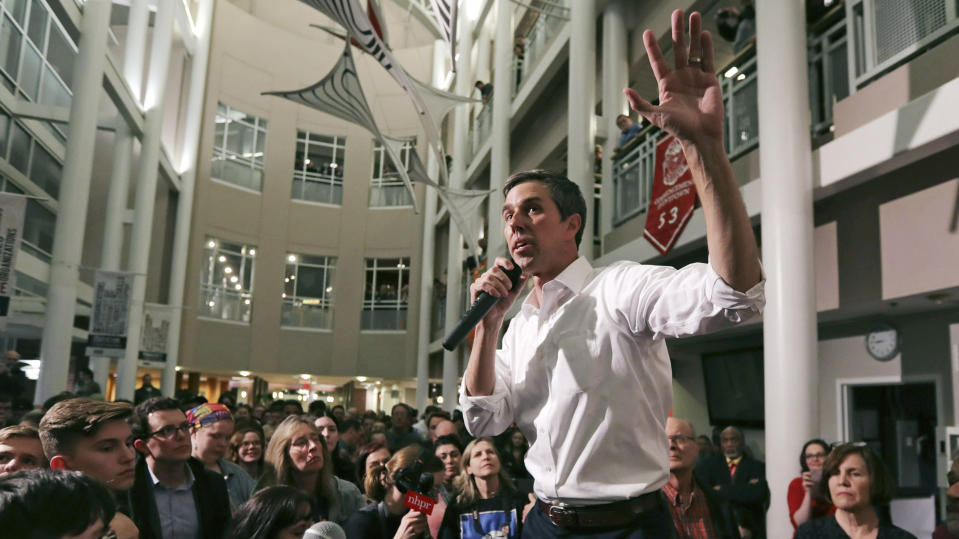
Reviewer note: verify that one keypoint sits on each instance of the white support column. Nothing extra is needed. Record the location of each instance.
(118, 192)
(582, 66)
(429, 251)
(454, 260)
(500, 132)
(147, 172)
(615, 78)
(482, 69)
(789, 327)
(184, 210)
(74, 195)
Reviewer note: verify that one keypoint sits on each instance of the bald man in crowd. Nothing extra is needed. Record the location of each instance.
(696, 510)
(740, 481)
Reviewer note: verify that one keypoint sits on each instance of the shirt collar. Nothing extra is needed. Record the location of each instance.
(735, 461)
(672, 494)
(186, 485)
(574, 278)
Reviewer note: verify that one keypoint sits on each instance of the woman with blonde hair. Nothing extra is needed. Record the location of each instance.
(486, 503)
(297, 456)
(388, 517)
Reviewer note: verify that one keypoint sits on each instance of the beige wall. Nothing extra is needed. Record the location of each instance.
(277, 59)
(920, 250)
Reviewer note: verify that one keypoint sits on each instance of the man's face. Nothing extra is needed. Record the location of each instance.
(732, 442)
(377, 458)
(536, 235)
(6, 410)
(242, 413)
(435, 420)
(292, 409)
(400, 418)
(147, 380)
(108, 455)
(175, 447)
(683, 449)
(212, 441)
(442, 428)
(20, 453)
(338, 413)
(351, 436)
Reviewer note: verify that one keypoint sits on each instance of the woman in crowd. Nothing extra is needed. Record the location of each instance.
(854, 480)
(803, 502)
(329, 428)
(273, 513)
(371, 456)
(447, 449)
(514, 454)
(389, 518)
(486, 501)
(246, 449)
(297, 457)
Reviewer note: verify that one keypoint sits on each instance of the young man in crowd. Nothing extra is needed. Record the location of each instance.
(212, 428)
(173, 495)
(20, 449)
(54, 503)
(94, 438)
(401, 434)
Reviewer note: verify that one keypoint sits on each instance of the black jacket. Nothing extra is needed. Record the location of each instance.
(209, 493)
(743, 498)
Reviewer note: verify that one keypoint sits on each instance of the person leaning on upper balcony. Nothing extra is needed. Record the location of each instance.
(628, 129)
(584, 371)
(855, 480)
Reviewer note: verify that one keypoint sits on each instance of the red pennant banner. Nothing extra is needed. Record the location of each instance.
(673, 198)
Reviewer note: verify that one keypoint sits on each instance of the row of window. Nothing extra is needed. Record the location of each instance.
(227, 277)
(318, 164)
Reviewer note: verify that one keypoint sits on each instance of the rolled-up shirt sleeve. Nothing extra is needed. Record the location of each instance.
(490, 415)
(692, 300)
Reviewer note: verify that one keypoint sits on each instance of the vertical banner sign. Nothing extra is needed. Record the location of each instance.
(111, 313)
(156, 327)
(12, 209)
(673, 198)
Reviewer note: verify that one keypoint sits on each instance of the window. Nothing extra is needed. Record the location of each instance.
(39, 224)
(387, 188)
(308, 291)
(318, 168)
(387, 293)
(36, 55)
(29, 157)
(226, 283)
(238, 148)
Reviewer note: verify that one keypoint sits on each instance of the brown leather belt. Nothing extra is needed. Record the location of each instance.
(607, 515)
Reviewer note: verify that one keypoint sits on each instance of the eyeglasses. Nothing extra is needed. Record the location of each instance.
(169, 432)
(679, 439)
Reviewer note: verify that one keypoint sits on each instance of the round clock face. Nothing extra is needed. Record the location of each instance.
(883, 343)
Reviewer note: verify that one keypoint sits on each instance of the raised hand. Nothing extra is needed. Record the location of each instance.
(690, 103)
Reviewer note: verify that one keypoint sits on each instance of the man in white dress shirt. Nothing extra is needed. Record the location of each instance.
(583, 370)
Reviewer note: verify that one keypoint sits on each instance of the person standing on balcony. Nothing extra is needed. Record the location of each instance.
(485, 89)
(583, 371)
(628, 129)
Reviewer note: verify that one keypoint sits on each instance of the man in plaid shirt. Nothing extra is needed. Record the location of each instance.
(695, 511)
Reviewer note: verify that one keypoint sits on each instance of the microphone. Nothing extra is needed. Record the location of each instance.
(484, 302)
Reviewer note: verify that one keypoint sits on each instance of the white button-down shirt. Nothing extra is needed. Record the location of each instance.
(586, 375)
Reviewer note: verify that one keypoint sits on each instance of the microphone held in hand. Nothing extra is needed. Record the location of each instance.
(484, 302)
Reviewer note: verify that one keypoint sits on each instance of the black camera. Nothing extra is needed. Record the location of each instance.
(413, 477)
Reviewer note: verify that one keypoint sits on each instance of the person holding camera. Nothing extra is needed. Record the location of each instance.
(803, 504)
(410, 469)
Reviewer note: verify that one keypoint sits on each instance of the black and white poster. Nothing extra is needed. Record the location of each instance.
(111, 313)
(12, 209)
(156, 328)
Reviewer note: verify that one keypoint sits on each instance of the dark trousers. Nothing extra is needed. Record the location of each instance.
(652, 524)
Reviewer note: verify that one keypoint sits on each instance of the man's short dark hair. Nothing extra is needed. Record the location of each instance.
(439, 413)
(410, 411)
(37, 504)
(72, 419)
(340, 406)
(348, 424)
(448, 439)
(140, 424)
(564, 193)
(59, 397)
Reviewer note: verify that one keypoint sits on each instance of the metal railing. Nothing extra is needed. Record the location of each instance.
(222, 304)
(828, 72)
(389, 315)
(633, 174)
(551, 20)
(740, 103)
(302, 313)
(886, 33)
(482, 126)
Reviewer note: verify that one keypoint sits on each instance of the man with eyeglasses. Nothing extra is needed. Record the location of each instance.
(695, 510)
(174, 495)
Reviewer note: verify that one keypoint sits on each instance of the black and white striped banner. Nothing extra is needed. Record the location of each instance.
(445, 13)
